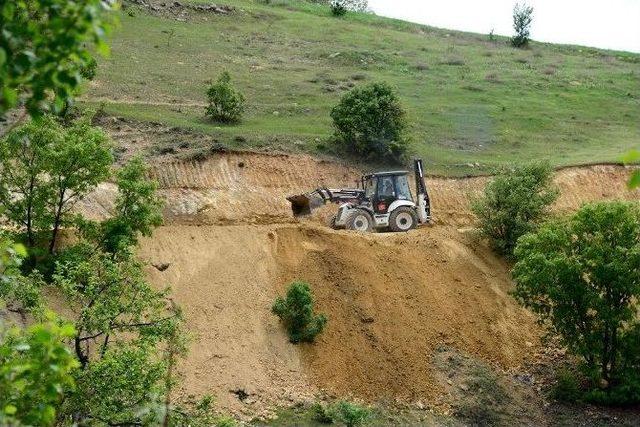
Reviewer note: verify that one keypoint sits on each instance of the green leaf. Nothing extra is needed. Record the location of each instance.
(632, 156)
(10, 409)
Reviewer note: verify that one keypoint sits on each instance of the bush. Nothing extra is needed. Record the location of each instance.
(296, 312)
(349, 413)
(337, 8)
(522, 17)
(89, 69)
(581, 276)
(370, 122)
(226, 104)
(321, 414)
(513, 204)
(567, 387)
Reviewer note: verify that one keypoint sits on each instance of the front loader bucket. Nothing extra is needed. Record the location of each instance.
(303, 204)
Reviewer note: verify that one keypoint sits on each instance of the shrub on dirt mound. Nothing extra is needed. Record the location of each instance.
(370, 122)
(226, 103)
(513, 203)
(296, 312)
(581, 277)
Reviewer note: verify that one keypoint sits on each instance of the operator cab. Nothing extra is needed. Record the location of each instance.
(383, 188)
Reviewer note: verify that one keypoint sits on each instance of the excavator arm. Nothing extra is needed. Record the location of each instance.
(303, 204)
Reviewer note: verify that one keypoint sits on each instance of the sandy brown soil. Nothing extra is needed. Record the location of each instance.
(393, 300)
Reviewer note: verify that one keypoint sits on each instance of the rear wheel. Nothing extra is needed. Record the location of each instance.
(403, 218)
(359, 220)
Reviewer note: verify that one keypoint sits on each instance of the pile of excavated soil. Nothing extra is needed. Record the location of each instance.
(391, 300)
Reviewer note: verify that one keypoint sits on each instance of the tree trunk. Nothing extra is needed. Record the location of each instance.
(56, 222)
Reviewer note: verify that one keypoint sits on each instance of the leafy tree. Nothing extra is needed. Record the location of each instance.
(582, 277)
(35, 373)
(49, 168)
(226, 103)
(111, 297)
(138, 209)
(296, 312)
(24, 180)
(370, 122)
(522, 18)
(78, 164)
(121, 321)
(118, 388)
(513, 204)
(43, 46)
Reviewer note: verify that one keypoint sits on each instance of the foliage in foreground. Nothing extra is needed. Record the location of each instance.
(513, 204)
(296, 313)
(226, 103)
(370, 122)
(581, 276)
(36, 370)
(44, 45)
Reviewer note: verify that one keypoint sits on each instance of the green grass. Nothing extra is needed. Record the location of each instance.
(469, 100)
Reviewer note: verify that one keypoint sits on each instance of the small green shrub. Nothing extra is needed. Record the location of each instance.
(89, 69)
(296, 313)
(567, 387)
(370, 122)
(321, 414)
(513, 204)
(350, 414)
(337, 8)
(226, 104)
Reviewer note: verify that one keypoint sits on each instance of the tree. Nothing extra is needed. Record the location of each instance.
(49, 168)
(296, 312)
(522, 18)
(24, 180)
(43, 46)
(226, 103)
(370, 121)
(582, 277)
(121, 323)
(78, 164)
(138, 209)
(36, 370)
(514, 203)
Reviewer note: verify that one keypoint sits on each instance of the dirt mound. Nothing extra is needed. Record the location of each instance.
(391, 301)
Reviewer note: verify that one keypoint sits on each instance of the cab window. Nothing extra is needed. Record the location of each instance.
(402, 188)
(370, 187)
(386, 187)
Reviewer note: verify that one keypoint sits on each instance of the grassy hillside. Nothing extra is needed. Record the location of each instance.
(470, 100)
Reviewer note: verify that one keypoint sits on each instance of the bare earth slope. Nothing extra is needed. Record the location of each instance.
(392, 299)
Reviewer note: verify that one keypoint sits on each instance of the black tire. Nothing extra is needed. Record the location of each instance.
(332, 222)
(402, 219)
(359, 220)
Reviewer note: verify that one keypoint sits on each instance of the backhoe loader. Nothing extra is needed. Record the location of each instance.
(382, 202)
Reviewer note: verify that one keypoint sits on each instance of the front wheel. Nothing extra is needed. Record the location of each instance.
(359, 220)
(403, 218)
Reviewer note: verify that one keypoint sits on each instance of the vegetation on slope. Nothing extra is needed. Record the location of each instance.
(469, 100)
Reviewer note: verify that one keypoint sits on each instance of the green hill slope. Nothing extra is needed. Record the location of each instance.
(471, 101)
